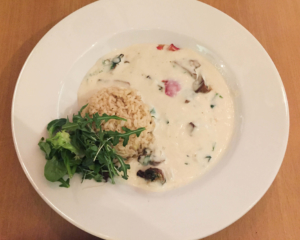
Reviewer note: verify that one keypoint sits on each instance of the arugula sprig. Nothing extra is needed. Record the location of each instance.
(82, 146)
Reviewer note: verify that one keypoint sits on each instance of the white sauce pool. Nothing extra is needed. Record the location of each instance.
(187, 152)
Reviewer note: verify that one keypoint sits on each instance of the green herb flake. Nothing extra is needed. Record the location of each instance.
(217, 94)
(208, 158)
(116, 60)
(213, 147)
(212, 106)
(186, 163)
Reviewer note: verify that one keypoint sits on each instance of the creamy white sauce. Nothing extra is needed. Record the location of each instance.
(187, 153)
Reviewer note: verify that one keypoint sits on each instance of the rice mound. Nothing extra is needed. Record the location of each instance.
(124, 103)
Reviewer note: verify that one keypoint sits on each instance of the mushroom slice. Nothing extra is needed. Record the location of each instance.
(194, 63)
(152, 174)
(200, 86)
(146, 160)
(193, 75)
(146, 151)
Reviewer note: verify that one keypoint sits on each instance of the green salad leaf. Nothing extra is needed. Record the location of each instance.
(54, 169)
(83, 147)
(55, 125)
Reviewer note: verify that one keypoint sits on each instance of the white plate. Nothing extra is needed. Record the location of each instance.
(47, 89)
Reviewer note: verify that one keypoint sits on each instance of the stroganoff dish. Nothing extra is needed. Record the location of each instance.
(180, 99)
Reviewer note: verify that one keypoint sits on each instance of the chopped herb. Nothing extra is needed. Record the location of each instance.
(126, 62)
(116, 61)
(208, 158)
(148, 77)
(186, 163)
(168, 122)
(213, 148)
(212, 106)
(160, 88)
(217, 94)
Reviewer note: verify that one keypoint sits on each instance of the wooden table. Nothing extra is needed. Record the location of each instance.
(23, 213)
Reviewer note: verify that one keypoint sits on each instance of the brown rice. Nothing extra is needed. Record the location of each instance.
(124, 103)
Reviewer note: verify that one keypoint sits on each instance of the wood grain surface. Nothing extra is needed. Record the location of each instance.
(24, 215)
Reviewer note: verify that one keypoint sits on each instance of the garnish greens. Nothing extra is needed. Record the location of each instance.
(82, 146)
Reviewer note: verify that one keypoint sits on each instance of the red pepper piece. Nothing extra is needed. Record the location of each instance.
(160, 46)
(173, 48)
